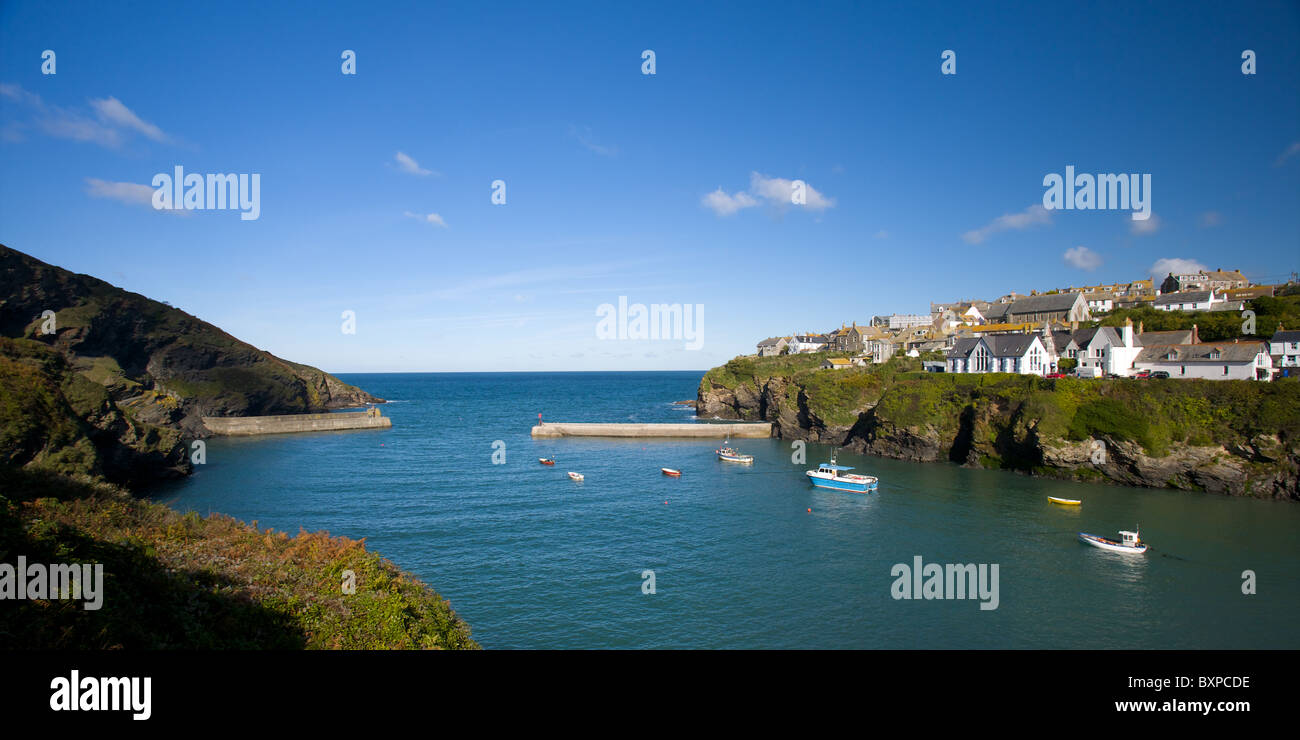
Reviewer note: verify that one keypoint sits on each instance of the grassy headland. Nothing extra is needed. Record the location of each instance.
(108, 401)
(1236, 437)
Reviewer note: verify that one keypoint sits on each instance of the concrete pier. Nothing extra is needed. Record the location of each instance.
(711, 431)
(245, 426)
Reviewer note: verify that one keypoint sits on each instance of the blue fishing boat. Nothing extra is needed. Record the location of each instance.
(832, 475)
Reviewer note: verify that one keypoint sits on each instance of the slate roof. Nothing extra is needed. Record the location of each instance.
(1152, 338)
(1044, 304)
(1002, 345)
(1286, 336)
(1183, 296)
(1228, 352)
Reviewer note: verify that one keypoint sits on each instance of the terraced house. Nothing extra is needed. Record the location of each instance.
(1209, 361)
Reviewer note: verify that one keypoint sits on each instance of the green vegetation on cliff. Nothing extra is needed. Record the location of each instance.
(180, 581)
(1233, 436)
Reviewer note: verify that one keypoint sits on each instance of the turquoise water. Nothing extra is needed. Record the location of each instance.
(532, 559)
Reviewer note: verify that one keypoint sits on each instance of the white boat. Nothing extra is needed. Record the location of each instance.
(831, 475)
(576, 476)
(727, 453)
(1130, 542)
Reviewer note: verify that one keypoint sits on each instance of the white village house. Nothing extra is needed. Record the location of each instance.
(1000, 353)
(1285, 348)
(1210, 361)
(1189, 300)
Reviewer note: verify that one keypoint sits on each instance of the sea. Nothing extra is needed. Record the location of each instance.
(736, 556)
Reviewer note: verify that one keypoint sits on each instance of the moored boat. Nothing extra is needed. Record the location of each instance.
(832, 475)
(671, 472)
(1130, 542)
(1064, 501)
(546, 460)
(576, 476)
(727, 453)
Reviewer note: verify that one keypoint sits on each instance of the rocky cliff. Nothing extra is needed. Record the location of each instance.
(128, 378)
(1231, 437)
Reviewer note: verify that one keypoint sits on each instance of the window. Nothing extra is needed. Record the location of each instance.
(1225, 369)
(1183, 370)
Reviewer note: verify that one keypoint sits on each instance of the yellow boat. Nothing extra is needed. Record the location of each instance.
(1064, 501)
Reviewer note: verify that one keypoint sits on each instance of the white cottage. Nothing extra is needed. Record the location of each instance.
(1000, 353)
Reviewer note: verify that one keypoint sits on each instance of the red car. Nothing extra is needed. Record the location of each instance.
(1054, 375)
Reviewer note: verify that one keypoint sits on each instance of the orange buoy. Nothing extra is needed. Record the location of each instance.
(810, 511)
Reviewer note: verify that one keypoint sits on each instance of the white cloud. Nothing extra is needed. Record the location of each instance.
(725, 205)
(127, 192)
(112, 117)
(432, 218)
(1175, 265)
(112, 110)
(1034, 215)
(778, 191)
(1211, 218)
(1082, 258)
(775, 191)
(1290, 152)
(1144, 228)
(408, 165)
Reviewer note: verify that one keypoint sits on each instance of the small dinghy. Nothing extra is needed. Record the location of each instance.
(1130, 542)
(546, 460)
(576, 476)
(671, 472)
(1064, 501)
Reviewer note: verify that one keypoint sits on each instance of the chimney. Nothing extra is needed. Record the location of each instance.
(1141, 327)
(1196, 335)
(1128, 332)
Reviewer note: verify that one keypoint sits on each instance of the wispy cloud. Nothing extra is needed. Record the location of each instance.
(1176, 265)
(1290, 152)
(1210, 219)
(432, 218)
(882, 234)
(1147, 227)
(778, 192)
(1034, 215)
(585, 138)
(111, 110)
(129, 193)
(1082, 258)
(408, 165)
(108, 127)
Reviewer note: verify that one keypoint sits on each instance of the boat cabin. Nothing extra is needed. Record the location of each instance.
(832, 468)
(1129, 539)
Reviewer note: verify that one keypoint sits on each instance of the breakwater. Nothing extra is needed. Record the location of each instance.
(711, 431)
(244, 426)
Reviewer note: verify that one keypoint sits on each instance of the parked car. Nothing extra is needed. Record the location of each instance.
(1054, 375)
(1159, 374)
(1142, 374)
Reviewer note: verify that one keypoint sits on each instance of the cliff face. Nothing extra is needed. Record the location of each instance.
(1231, 437)
(159, 365)
(120, 386)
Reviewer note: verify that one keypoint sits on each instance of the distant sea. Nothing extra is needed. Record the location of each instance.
(531, 559)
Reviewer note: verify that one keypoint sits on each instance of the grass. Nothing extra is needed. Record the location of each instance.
(181, 581)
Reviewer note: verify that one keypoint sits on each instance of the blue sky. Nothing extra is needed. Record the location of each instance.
(613, 177)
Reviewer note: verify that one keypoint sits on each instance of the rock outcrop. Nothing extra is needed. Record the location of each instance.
(1230, 437)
